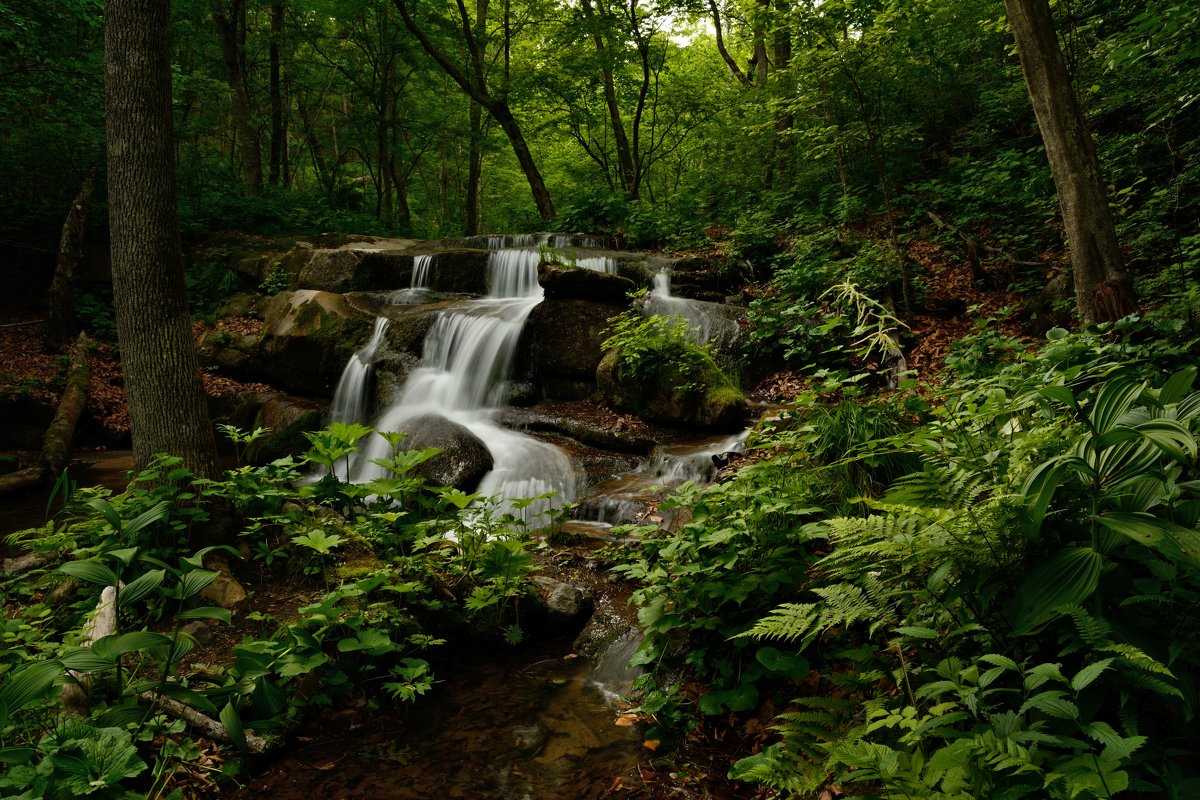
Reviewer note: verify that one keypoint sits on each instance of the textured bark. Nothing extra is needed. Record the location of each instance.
(1103, 290)
(166, 400)
(60, 321)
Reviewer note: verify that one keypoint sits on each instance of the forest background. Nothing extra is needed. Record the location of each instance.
(1010, 566)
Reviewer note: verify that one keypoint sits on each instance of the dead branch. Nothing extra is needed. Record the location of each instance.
(206, 725)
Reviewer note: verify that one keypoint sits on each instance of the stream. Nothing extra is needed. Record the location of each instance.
(511, 725)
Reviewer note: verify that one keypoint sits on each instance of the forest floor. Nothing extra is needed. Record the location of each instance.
(953, 297)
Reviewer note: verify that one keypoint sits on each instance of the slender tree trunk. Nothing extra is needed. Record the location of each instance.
(167, 407)
(730, 63)
(1103, 290)
(474, 84)
(60, 322)
(474, 171)
(278, 132)
(229, 24)
(620, 140)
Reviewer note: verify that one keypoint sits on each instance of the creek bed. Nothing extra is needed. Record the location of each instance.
(525, 724)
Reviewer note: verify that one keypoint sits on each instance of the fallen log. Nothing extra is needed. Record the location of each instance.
(203, 723)
(56, 444)
(25, 563)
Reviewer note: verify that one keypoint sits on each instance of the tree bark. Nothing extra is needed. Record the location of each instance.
(228, 26)
(60, 321)
(167, 408)
(1103, 290)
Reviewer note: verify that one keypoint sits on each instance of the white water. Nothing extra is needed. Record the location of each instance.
(467, 358)
(598, 264)
(679, 464)
(705, 321)
(351, 398)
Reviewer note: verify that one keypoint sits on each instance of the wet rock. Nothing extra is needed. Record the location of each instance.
(559, 606)
(596, 433)
(464, 459)
(574, 283)
(307, 338)
(287, 419)
(560, 346)
(225, 591)
(711, 402)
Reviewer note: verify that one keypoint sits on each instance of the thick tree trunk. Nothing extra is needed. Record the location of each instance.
(228, 26)
(166, 400)
(1103, 290)
(60, 318)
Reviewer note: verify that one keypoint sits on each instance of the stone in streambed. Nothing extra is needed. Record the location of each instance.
(464, 459)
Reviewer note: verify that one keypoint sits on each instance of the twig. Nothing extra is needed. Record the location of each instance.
(19, 324)
(208, 726)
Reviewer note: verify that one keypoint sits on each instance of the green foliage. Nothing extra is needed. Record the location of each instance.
(649, 347)
(1013, 617)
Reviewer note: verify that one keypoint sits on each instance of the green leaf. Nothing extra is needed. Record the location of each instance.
(1172, 540)
(233, 726)
(120, 644)
(196, 581)
(90, 570)
(84, 659)
(1068, 578)
(1052, 702)
(1177, 386)
(25, 684)
(741, 698)
(917, 632)
(148, 517)
(791, 665)
(207, 612)
(1039, 490)
(1000, 661)
(142, 587)
(1117, 396)
(1085, 676)
(122, 716)
(17, 755)
(107, 511)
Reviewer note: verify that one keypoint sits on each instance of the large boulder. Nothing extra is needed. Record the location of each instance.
(559, 349)
(708, 401)
(307, 338)
(387, 264)
(464, 459)
(567, 283)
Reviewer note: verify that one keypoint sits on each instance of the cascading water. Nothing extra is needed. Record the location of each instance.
(351, 399)
(466, 360)
(598, 264)
(706, 321)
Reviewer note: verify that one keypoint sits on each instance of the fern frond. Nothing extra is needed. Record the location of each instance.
(788, 622)
(946, 486)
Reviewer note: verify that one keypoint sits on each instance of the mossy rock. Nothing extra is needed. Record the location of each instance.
(307, 338)
(710, 401)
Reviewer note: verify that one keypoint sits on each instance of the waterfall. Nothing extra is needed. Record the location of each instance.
(466, 360)
(495, 242)
(351, 400)
(708, 322)
(598, 264)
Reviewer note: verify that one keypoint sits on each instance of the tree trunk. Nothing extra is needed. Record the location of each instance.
(620, 139)
(474, 84)
(166, 400)
(278, 131)
(60, 322)
(474, 172)
(228, 25)
(1103, 290)
(56, 444)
